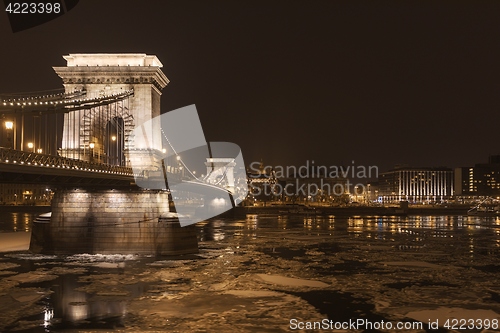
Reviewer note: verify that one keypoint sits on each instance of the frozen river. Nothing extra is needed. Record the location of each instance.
(271, 274)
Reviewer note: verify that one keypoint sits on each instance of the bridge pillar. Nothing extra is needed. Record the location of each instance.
(96, 134)
(112, 221)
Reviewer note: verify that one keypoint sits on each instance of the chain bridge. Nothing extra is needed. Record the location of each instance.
(80, 141)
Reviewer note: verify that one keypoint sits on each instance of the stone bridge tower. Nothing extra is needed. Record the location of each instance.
(96, 134)
(124, 220)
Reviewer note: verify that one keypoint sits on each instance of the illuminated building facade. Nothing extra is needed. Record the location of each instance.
(416, 185)
(25, 194)
(481, 180)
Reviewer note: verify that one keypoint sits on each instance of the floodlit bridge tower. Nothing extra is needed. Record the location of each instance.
(128, 219)
(104, 134)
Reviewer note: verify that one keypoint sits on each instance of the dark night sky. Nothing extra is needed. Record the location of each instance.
(290, 81)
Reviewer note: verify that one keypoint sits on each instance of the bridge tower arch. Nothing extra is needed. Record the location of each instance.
(84, 132)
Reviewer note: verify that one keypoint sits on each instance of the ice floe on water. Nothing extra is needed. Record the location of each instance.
(31, 256)
(32, 277)
(7, 265)
(254, 293)
(292, 282)
(419, 264)
(167, 263)
(442, 315)
(100, 259)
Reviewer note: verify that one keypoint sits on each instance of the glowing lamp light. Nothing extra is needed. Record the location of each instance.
(113, 138)
(91, 145)
(9, 125)
(30, 145)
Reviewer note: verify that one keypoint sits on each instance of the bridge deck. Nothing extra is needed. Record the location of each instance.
(28, 167)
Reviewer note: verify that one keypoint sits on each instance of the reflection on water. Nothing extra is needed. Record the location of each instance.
(17, 221)
(74, 306)
(20, 220)
(70, 306)
(416, 230)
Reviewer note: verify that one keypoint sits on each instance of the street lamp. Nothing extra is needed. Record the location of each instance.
(39, 150)
(91, 145)
(9, 125)
(178, 158)
(114, 153)
(30, 145)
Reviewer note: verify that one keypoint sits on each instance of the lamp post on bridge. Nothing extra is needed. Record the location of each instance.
(31, 146)
(9, 126)
(179, 165)
(91, 145)
(115, 154)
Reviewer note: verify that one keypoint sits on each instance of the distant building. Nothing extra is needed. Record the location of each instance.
(480, 180)
(332, 190)
(266, 185)
(262, 185)
(25, 194)
(416, 185)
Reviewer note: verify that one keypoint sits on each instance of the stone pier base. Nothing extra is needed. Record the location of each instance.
(112, 222)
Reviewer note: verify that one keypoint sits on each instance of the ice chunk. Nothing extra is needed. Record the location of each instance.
(292, 282)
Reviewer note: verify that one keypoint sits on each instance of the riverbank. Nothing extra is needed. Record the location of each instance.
(349, 211)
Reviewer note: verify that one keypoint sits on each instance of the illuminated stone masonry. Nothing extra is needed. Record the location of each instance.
(96, 133)
(112, 221)
(125, 221)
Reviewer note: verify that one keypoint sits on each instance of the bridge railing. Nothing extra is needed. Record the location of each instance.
(11, 156)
